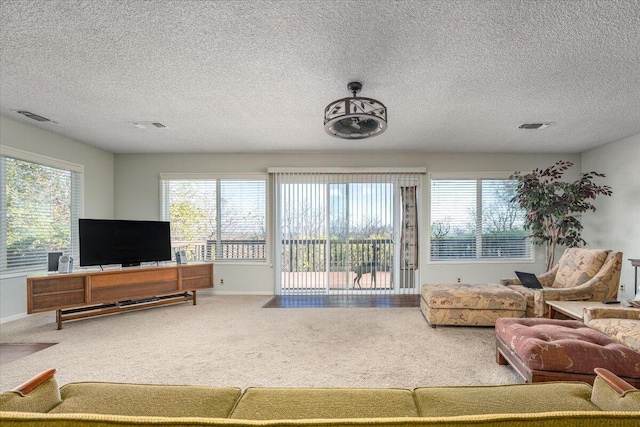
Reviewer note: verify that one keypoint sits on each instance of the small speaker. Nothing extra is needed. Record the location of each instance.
(65, 264)
(52, 262)
(181, 257)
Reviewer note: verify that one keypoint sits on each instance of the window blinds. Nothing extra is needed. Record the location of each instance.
(40, 209)
(346, 232)
(216, 218)
(474, 219)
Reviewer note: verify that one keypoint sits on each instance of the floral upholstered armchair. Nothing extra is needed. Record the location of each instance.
(620, 323)
(579, 275)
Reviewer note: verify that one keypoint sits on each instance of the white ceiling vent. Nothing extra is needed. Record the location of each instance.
(147, 125)
(534, 125)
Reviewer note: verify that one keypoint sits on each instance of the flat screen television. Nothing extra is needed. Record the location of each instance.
(108, 241)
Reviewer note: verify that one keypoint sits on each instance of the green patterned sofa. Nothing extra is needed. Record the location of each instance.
(39, 402)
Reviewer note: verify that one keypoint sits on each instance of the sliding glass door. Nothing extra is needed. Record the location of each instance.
(345, 233)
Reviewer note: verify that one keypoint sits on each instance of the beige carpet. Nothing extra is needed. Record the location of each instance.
(232, 341)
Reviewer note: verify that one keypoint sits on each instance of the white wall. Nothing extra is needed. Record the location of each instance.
(137, 196)
(616, 222)
(98, 190)
(127, 186)
(98, 164)
(13, 297)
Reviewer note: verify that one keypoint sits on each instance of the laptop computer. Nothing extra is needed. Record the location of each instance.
(529, 280)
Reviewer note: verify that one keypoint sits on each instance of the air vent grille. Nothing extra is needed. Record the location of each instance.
(148, 124)
(534, 125)
(33, 116)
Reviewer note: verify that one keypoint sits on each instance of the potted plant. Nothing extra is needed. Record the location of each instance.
(552, 206)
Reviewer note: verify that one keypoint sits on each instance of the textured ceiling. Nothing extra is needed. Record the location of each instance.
(255, 76)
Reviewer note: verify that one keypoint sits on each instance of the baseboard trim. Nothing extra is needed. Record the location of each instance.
(12, 318)
(216, 292)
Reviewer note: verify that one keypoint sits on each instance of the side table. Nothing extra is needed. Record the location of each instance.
(573, 309)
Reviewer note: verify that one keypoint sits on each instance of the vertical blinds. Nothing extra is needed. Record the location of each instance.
(341, 233)
(40, 209)
(475, 219)
(216, 218)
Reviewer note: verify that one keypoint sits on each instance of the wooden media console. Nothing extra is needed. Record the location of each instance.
(86, 294)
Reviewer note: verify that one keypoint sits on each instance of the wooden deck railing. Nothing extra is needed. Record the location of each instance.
(297, 254)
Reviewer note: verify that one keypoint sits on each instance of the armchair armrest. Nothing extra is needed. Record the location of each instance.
(578, 293)
(546, 279)
(40, 394)
(614, 381)
(35, 382)
(591, 313)
(540, 296)
(612, 393)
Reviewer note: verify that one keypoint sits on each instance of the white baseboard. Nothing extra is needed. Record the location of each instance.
(12, 318)
(216, 292)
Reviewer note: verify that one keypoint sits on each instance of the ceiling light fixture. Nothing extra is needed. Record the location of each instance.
(355, 117)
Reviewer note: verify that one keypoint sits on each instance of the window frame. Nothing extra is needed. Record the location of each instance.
(471, 176)
(221, 177)
(51, 162)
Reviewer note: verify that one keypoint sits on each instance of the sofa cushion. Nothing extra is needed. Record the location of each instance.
(566, 346)
(578, 266)
(507, 399)
(549, 419)
(147, 400)
(42, 399)
(625, 331)
(300, 403)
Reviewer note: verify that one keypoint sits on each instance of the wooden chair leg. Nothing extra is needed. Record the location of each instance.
(500, 360)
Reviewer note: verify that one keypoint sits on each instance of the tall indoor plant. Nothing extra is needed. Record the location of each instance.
(552, 206)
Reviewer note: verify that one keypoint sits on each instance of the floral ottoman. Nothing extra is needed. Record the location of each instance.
(543, 349)
(469, 305)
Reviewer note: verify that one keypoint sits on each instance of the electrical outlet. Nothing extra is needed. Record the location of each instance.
(459, 279)
(222, 281)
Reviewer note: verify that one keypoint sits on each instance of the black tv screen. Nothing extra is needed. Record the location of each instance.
(107, 241)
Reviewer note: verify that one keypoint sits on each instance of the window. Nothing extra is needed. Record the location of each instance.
(41, 204)
(474, 219)
(216, 218)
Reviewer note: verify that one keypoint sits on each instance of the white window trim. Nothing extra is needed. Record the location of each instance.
(468, 176)
(177, 176)
(341, 170)
(238, 176)
(40, 159)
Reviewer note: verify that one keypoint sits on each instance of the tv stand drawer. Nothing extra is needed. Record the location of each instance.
(127, 278)
(55, 291)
